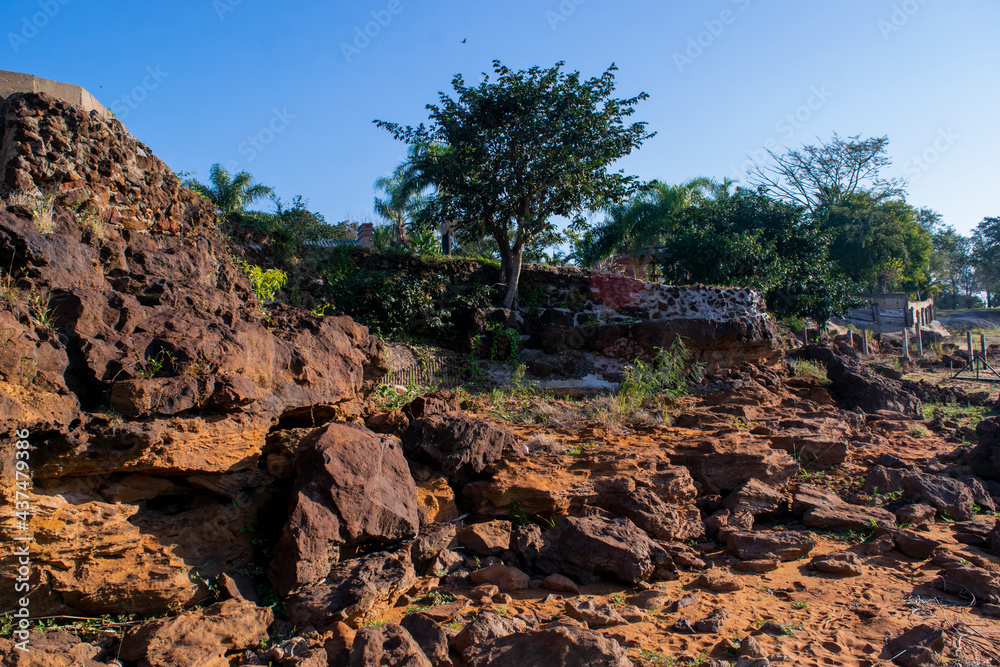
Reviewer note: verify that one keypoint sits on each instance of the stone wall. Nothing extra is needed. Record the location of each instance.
(17, 82)
(624, 318)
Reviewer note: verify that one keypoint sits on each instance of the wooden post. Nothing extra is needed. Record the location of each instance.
(972, 354)
(906, 343)
(920, 343)
(805, 335)
(864, 342)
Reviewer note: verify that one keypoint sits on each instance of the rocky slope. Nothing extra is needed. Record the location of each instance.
(207, 470)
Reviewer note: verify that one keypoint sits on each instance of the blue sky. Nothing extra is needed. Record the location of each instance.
(288, 91)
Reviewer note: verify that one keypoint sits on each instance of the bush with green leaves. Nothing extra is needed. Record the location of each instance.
(666, 377)
(266, 282)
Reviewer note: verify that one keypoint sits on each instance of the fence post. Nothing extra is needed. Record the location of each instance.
(864, 342)
(906, 343)
(920, 343)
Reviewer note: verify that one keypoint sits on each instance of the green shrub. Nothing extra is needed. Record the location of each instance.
(266, 283)
(667, 376)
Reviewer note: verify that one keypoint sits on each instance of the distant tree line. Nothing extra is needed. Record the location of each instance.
(500, 162)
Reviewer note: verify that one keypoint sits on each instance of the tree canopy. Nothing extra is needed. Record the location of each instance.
(523, 148)
(230, 194)
(828, 174)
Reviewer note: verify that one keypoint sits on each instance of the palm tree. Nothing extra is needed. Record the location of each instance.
(406, 203)
(230, 194)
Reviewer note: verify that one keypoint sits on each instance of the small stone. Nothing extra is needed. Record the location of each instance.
(750, 647)
(558, 582)
(719, 581)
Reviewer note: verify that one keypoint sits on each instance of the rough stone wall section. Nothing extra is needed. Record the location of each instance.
(94, 164)
(17, 82)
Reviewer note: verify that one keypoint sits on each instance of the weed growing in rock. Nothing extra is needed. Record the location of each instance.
(919, 432)
(666, 376)
(8, 291)
(39, 309)
(518, 516)
(265, 283)
(654, 659)
(806, 368)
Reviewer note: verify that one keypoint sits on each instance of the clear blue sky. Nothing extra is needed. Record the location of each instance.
(725, 77)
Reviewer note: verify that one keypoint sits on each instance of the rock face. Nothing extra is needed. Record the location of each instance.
(457, 444)
(559, 646)
(585, 548)
(140, 360)
(201, 637)
(353, 490)
(857, 386)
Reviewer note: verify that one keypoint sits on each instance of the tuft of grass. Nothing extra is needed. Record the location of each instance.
(806, 368)
(39, 309)
(919, 432)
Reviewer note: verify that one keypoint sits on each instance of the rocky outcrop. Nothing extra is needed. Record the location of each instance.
(558, 646)
(144, 367)
(858, 386)
(200, 637)
(353, 491)
(601, 544)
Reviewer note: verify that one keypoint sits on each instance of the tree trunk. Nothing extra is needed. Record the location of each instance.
(513, 277)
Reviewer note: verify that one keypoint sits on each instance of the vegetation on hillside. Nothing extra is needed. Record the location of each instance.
(500, 162)
(522, 149)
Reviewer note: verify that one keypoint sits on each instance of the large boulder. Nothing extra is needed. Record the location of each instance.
(386, 646)
(827, 511)
(558, 646)
(986, 455)
(784, 545)
(600, 544)
(948, 496)
(459, 445)
(722, 465)
(355, 591)
(198, 637)
(353, 490)
(857, 386)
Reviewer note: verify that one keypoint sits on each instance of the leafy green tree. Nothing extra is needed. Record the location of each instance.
(230, 194)
(952, 268)
(986, 258)
(879, 244)
(524, 148)
(635, 227)
(750, 240)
